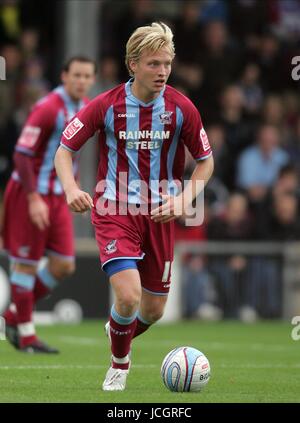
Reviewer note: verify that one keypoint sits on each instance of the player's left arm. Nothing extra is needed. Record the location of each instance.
(195, 138)
(175, 207)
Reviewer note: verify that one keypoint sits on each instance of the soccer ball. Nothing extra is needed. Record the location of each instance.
(185, 369)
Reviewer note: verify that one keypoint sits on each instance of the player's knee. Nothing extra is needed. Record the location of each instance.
(128, 303)
(63, 269)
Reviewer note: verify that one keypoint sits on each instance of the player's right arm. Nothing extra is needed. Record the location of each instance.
(82, 127)
(78, 200)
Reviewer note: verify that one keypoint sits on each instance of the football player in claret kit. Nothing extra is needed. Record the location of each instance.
(37, 220)
(144, 126)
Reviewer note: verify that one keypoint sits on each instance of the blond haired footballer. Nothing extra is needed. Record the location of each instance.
(143, 127)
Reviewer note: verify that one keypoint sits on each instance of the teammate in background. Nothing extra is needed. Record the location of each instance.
(37, 220)
(144, 126)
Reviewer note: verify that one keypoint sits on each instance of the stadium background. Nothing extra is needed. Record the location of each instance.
(233, 59)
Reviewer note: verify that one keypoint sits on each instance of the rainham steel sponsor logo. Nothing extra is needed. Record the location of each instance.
(144, 135)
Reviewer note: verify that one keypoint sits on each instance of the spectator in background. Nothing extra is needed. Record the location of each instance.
(291, 107)
(268, 56)
(251, 89)
(235, 224)
(247, 20)
(216, 192)
(191, 76)
(293, 145)
(285, 18)
(220, 61)
(198, 291)
(259, 165)
(287, 184)
(108, 74)
(29, 43)
(214, 10)
(279, 223)
(216, 135)
(284, 224)
(33, 87)
(272, 113)
(107, 77)
(238, 129)
(187, 32)
(34, 76)
(230, 271)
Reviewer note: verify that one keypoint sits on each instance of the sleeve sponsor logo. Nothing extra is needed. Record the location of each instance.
(204, 140)
(73, 128)
(29, 136)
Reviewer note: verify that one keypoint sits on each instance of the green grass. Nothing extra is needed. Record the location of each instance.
(250, 363)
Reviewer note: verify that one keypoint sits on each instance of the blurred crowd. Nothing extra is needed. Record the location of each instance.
(26, 43)
(233, 60)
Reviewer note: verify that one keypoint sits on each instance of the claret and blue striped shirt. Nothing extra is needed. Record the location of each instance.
(139, 142)
(41, 136)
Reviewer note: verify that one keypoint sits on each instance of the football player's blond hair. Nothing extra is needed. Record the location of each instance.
(152, 37)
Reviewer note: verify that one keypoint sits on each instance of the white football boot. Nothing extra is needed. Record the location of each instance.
(115, 379)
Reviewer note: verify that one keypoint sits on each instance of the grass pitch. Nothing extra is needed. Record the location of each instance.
(249, 363)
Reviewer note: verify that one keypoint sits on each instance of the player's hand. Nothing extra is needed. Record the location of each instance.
(79, 201)
(38, 211)
(171, 209)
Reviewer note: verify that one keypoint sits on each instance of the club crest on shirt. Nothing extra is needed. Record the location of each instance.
(165, 118)
(111, 247)
(23, 251)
